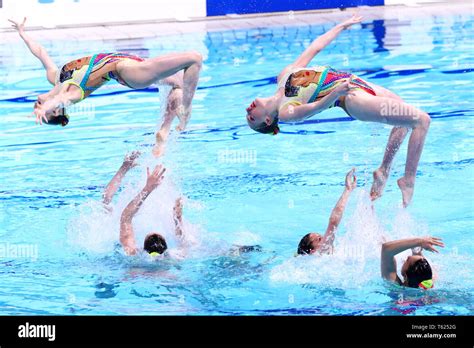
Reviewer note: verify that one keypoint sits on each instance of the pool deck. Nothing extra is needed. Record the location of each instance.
(150, 29)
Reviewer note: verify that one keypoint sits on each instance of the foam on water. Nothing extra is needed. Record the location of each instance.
(356, 259)
(96, 229)
(93, 230)
(353, 263)
(229, 198)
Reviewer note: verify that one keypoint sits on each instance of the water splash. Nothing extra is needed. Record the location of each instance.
(96, 229)
(356, 258)
(92, 229)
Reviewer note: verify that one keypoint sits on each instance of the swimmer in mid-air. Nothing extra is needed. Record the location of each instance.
(314, 243)
(416, 271)
(304, 91)
(76, 80)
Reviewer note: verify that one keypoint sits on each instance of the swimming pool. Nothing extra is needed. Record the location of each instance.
(241, 187)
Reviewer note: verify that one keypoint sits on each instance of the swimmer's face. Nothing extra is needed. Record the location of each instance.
(54, 113)
(310, 244)
(55, 117)
(259, 113)
(42, 98)
(315, 242)
(409, 262)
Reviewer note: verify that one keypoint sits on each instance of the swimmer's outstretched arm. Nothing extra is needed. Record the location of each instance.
(388, 265)
(129, 162)
(319, 44)
(127, 235)
(294, 113)
(178, 218)
(37, 50)
(338, 211)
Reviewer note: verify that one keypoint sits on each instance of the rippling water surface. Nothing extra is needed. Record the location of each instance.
(241, 188)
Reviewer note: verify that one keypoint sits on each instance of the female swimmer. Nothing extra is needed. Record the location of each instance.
(306, 91)
(77, 79)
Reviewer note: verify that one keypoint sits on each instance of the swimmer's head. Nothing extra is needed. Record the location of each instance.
(262, 116)
(56, 117)
(416, 272)
(155, 243)
(309, 244)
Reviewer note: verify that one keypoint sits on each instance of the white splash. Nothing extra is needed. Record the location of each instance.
(356, 260)
(96, 229)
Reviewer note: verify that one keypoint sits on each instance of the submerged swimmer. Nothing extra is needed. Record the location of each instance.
(77, 79)
(416, 271)
(303, 92)
(154, 243)
(313, 243)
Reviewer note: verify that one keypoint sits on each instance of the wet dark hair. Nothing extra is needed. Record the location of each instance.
(62, 119)
(271, 128)
(305, 247)
(155, 243)
(418, 272)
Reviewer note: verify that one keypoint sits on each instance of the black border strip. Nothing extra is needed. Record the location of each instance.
(240, 330)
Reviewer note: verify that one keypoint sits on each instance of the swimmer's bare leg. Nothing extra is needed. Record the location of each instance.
(173, 103)
(176, 99)
(143, 74)
(396, 113)
(397, 135)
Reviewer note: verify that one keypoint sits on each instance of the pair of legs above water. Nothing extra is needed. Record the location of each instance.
(179, 71)
(390, 109)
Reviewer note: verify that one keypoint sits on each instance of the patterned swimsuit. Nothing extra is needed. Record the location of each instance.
(89, 73)
(307, 85)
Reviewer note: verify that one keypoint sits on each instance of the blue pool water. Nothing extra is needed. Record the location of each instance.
(241, 187)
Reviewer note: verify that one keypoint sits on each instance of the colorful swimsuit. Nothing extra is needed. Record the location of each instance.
(308, 85)
(89, 73)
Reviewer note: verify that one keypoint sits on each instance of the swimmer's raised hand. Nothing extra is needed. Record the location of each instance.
(18, 26)
(351, 180)
(351, 21)
(130, 160)
(155, 178)
(429, 243)
(40, 114)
